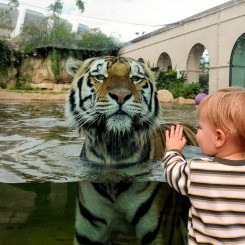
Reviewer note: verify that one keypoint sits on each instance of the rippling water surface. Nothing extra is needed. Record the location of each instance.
(36, 145)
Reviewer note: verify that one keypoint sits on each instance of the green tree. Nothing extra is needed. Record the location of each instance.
(13, 3)
(56, 6)
(5, 16)
(97, 40)
(34, 36)
(80, 5)
(53, 31)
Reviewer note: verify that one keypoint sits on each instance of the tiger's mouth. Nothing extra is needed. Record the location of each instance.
(119, 113)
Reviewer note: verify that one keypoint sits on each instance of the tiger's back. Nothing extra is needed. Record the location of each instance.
(158, 139)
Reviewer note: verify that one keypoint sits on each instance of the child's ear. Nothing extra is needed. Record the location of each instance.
(220, 138)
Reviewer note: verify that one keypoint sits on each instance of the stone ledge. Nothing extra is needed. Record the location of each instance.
(12, 96)
(51, 86)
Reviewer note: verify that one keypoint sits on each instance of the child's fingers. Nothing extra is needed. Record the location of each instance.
(180, 131)
(172, 131)
(177, 130)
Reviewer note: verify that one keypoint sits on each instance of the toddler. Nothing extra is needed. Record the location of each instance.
(216, 188)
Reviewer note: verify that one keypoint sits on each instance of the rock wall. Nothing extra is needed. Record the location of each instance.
(38, 73)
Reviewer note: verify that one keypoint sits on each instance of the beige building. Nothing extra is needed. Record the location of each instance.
(217, 35)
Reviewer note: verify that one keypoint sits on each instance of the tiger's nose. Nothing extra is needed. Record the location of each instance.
(120, 95)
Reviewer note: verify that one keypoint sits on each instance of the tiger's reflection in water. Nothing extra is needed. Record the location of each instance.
(113, 103)
(120, 213)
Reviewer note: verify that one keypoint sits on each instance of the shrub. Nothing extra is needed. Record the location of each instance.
(177, 85)
(191, 90)
(23, 85)
(3, 85)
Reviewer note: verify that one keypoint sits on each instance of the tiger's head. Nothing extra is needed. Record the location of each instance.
(110, 94)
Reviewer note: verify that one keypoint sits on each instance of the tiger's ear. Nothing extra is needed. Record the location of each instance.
(72, 66)
(155, 69)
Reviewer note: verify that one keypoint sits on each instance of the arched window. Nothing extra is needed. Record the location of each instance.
(164, 62)
(237, 63)
(141, 60)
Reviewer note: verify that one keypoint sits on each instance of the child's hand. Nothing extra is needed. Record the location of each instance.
(175, 138)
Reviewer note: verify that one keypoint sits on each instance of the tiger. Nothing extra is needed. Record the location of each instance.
(113, 103)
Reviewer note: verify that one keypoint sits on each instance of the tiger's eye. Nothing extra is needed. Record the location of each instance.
(135, 78)
(100, 77)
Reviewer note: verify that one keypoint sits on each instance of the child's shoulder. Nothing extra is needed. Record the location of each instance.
(199, 163)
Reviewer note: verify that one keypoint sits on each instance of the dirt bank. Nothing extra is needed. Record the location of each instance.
(12, 96)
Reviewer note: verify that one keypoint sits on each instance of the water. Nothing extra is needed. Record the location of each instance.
(37, 213)
(37, 146)
(31, 135)
(40, 168)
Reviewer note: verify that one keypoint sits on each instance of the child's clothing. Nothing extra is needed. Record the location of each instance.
(216, 189)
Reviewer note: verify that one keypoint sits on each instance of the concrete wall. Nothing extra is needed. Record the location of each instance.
(216, 29)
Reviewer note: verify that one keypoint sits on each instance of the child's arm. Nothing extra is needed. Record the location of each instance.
(176, 169)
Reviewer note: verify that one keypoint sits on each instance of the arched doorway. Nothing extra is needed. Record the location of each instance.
(164, 62)
(237, 63)
(198, 66)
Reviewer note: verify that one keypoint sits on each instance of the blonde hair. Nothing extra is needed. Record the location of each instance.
(226, 110)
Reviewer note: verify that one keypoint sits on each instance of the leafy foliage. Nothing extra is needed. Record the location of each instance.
(22, 85)
(55, 32)
(204, 76)
(177, 85)
(5, 19)
(13, 3)
(5, 16)
(55, 59)
(166, 78)
(80, 5)
(3, 85)
(5, 57)
(34, 36)
(56, 7)
(97, 40)
(9, 57)
(204, 80)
